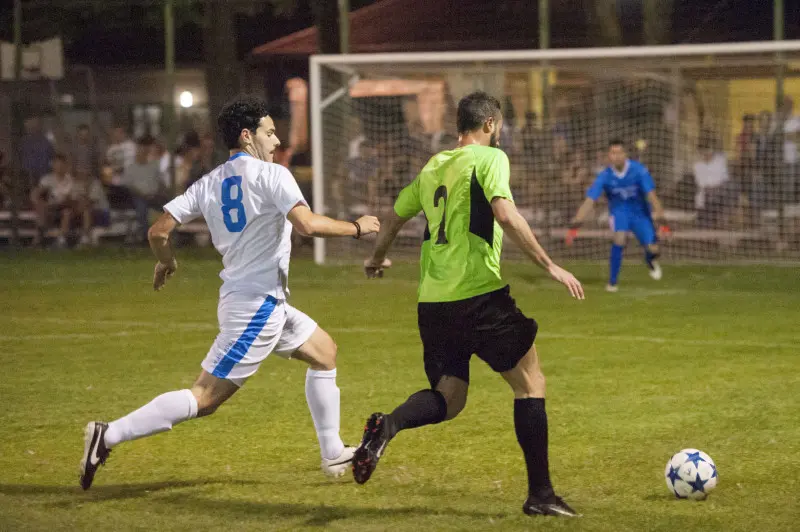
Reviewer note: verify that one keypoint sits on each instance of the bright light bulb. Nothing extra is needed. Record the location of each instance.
(186, 99)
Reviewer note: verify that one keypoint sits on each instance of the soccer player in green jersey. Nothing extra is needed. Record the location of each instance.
(464, 305)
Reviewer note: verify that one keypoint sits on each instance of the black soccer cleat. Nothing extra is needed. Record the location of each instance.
(366, 457)
(95, 452)
(557, 507)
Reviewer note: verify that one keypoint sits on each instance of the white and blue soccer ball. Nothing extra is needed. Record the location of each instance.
(691, 474)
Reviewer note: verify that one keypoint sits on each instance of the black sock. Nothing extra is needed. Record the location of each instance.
(425, 407)
(530, 423)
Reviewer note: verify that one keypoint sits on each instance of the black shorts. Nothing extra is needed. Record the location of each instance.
(490, 326)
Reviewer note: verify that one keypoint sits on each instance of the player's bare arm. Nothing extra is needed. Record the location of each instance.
(517, 228)
(583, 212)
(375, 265)
(158, 236)
(308, 223)
(658, 214)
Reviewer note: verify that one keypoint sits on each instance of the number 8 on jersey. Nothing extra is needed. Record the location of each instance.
(229, 203)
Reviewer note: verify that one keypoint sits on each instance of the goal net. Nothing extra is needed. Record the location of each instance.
(706, 120)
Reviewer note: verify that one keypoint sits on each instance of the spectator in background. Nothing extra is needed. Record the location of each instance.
(766, 189)
(364, 169)
(575, 176)
(509, 131)
(92, 204)
(535, 145)
(206, 154)
(191, 150)
(745, 168)
(121, 153)
(53, 200)
(715, 191)
(160, 153)
(143, 181)
(189, 155)
(790, 125)
(746, 141)
(600, 161)
(84, 154)
(36, 152)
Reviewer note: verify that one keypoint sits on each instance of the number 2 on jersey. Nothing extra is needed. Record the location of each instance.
(229, 203)
(441, 194)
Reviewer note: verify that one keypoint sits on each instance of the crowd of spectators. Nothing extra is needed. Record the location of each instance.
(73, 186)
(554, 165)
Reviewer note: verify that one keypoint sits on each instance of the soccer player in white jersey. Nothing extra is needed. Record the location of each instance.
(250, 206)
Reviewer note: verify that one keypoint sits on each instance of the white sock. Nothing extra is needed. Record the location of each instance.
(322, 395)
(159, 415)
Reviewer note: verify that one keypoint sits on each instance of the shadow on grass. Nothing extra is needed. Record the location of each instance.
(318, 515)
(314, 515)
(112, 492)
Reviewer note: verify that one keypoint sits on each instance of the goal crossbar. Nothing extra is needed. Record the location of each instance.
(617, 52)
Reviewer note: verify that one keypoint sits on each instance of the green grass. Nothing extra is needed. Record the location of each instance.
(707, 358)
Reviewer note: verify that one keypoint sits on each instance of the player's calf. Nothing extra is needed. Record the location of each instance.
(615, 259)
(323, 397)
(454, 392)
(530, 426)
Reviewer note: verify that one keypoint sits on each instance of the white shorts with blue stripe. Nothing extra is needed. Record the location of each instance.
(250, 330)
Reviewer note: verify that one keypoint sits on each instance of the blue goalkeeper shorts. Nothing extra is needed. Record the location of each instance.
(639, 224)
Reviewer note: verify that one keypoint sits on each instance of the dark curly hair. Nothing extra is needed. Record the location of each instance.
(243, 112)
(475, 109)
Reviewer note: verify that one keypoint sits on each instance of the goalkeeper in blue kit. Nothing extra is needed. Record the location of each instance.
(633, 206)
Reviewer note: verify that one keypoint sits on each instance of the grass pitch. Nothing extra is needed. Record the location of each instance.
(706, 358)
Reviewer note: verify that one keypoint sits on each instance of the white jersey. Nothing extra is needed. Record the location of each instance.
(245, 202)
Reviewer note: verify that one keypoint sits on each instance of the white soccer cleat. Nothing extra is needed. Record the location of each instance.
(655, 272)
(337, 467)
(612, 288)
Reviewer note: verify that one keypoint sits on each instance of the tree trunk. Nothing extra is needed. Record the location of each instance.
(223, 72)
(602, 17)
(326, 19)
(658, 21)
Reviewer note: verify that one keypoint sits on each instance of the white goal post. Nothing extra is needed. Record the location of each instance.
(703, 118)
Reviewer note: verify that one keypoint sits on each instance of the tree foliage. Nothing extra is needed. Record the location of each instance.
(603, 17)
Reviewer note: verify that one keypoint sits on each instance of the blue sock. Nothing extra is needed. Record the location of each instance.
(649, 257)
(615, 263)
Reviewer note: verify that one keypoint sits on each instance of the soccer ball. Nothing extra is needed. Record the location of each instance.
(691, 474)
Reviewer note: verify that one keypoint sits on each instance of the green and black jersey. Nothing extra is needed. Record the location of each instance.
(460, 256)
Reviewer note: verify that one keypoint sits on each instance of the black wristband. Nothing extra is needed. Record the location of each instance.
(358, 230)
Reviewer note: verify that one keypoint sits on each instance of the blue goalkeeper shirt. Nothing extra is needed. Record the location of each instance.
(626, 191)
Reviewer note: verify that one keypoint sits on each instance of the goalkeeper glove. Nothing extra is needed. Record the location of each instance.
(572, 234)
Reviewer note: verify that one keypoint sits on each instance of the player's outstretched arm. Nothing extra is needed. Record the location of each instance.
(158, 236)
(309, 224)
(658, 214)
(517, 228)
(375, 265)
(583, 211)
